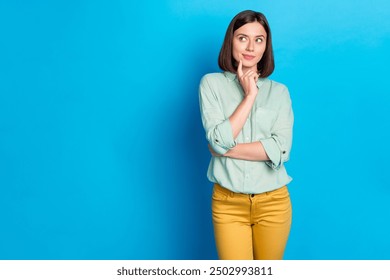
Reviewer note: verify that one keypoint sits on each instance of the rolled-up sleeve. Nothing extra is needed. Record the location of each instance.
(218, 129)
(278, 145)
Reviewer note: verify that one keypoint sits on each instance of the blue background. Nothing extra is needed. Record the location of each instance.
(102, 151)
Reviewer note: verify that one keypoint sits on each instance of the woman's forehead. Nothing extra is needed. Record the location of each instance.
(251, 29)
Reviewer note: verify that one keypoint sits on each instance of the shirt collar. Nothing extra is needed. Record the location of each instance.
(233, 77)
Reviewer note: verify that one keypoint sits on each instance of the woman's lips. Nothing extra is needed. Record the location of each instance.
(248, 57)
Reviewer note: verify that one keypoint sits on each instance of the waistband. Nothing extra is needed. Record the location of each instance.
(221, 189)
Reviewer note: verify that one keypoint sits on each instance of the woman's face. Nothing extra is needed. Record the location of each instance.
(249, 43)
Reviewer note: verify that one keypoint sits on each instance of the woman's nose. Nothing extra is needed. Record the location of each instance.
(249, 47)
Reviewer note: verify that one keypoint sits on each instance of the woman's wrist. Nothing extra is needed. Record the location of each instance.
(250, 96)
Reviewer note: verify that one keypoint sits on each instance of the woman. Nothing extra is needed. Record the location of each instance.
(248, 121)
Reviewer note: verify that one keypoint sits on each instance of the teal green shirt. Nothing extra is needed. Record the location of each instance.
(270, 122)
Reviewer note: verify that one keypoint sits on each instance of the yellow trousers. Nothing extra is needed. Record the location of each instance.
(248, 227)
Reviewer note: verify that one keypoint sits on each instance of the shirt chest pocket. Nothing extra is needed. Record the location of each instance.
(264, 120)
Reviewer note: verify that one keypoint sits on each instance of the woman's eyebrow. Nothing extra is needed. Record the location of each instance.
(242, 34)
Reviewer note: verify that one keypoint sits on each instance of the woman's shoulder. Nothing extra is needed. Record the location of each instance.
(277, 91)
(217, 76)
(276, 85)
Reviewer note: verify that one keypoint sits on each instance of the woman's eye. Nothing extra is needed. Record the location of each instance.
(242, 39)
(259, 40)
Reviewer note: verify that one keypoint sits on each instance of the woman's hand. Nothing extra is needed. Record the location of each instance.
(247, 80)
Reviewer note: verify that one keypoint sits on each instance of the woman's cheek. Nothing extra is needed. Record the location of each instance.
(236, 56)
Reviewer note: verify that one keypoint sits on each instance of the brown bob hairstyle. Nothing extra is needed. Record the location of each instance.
(226, 61)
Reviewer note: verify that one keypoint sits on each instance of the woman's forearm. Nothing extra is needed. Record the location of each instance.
(240, 115)
(248, 83)
(248, 151)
